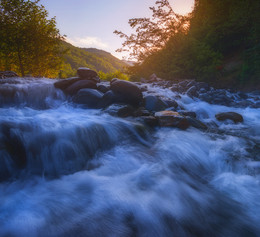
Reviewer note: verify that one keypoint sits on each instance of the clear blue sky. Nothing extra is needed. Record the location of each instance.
(90, 23)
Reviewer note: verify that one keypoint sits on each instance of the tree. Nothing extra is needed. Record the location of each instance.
(218, 42)
(152, 34)
(29, 42)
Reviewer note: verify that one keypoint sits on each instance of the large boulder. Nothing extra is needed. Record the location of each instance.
(65, 83)
(75, 87)
(154, 103)
(111, 97)
(235, 117)
(172, 119)
(86, 73)
(89, 97)
(128, 91)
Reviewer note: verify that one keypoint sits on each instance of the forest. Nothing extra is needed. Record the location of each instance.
(218, 42)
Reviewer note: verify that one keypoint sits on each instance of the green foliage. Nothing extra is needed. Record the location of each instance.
(29, 42)
(109, 76)
(219, 40)
(95, 59)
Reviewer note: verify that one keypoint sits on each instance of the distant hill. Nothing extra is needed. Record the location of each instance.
(129, 63)
(93, 58)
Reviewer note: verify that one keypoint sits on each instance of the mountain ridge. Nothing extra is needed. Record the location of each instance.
(96, 59)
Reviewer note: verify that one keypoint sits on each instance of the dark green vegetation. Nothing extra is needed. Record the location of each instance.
(219, 42)
(95, 59)
(29, 41)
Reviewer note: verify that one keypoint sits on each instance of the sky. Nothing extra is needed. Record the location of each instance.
(91, 23)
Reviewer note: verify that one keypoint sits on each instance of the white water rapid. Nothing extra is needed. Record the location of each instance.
(70, 171)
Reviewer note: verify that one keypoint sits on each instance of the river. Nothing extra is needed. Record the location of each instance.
(70, 171)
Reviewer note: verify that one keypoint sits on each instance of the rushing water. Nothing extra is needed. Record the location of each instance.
(82, 172)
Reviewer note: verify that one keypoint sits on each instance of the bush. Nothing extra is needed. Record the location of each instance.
(109, 76)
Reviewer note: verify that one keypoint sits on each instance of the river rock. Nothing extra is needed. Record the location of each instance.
(129, 92)
(89, 97)
(75, 87)
(13, 144)
(244, 103)
(170, 103)
(153, 103)
(256, 105)
(192, 92)
(202, 90)
(150, 121)
(114, 80)
(120, 110)
(187, 113)
(6, 74)
(191, 83)
(111, 97)
(65, 83)
(143, 88)
(141, 111)
(126, 111)
(196, 123)
(222, 100)
(206, 97)
(175, 88)
(103, 88)
(235, 117)
(86, 73)
(202, 85)
(242, 95)
(108, 98)
(184, 83)
(172, 119)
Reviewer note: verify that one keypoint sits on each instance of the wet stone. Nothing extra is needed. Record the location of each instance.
(128, 91)
(172, 119)
(187, 113)
(235, 117)
(89, 97)
(86, 73)
(82, 84)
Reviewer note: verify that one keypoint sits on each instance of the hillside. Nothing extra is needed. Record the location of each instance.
(221, 44)
(96, 59)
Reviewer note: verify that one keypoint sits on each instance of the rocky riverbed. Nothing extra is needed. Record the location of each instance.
(84, 157)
